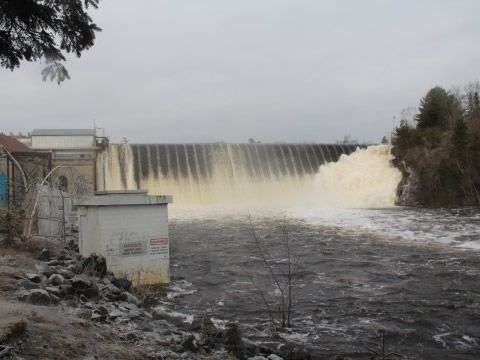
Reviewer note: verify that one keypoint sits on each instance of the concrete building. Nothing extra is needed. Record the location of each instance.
(75, 151)
(34, 165)
(130, 229)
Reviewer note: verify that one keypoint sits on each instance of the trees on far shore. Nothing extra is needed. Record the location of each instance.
(442, 147)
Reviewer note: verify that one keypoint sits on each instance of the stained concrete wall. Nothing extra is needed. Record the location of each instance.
(133, 237)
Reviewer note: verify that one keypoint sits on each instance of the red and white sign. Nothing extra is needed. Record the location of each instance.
(159, 246)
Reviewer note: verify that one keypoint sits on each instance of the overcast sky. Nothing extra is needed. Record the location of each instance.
(275, 70)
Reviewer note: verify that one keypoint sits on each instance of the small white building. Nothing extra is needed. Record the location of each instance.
(130, 229)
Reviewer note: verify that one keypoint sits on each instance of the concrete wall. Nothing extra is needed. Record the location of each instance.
(133, 239)
(62, 142)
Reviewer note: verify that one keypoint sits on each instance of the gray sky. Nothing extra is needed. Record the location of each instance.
(274, 70)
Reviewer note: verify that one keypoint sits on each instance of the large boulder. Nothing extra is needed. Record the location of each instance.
(95, 265)
(122, 283)
(35, 278)
(189, 343)
(27, 284)
(44, 255)
(56, 279)
(36, 296)
(81, 282)
(126, 296)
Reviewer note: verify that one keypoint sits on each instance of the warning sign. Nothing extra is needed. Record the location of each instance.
(159, 246)
(133, 248)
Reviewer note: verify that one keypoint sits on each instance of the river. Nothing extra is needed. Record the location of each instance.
(408, 274)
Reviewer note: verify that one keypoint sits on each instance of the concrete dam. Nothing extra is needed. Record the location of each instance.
(218, 173)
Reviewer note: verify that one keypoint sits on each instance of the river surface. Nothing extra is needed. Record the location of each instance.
(412, 276)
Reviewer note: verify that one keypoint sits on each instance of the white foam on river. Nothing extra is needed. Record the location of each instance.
(453, 228)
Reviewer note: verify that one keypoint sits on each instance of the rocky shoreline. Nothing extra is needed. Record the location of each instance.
(84, 289)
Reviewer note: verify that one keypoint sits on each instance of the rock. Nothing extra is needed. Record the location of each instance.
(190, 343)
(102, 310)
(64, 256)
(112, 292)
(208, 331)
(94, 265)
(144, 326)
(274, 357)
(52, 290)
(44, 270)
(66, 290)
(54, 299)
(35, 278)
(81, 282)
(90, 292)
(44, 255)
(257, 358)
(98, 318)
(177, 348)
(84, 314)
(129, 306)
(27, 284)
(36, 296)
(124, 284)
(67, 274)
(126, 296)
(54, 263)
(105, 281)
(158, 314)
(115, 314)
(147, 314)
(132, 315)
(56, 279)
(184, 355)
(88, 305)
(132, 335)
(196, 323)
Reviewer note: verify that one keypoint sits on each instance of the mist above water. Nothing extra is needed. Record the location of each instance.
(253, 176)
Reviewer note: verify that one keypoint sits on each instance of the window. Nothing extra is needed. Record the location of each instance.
(63, 183)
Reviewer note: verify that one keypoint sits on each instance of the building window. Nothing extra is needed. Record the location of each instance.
(63, 183)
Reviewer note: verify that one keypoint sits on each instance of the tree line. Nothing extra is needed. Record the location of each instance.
(438, 148)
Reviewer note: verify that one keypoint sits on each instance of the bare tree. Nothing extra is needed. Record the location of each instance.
(282, 272)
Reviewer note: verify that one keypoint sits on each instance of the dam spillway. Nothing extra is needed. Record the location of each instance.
(215, 173)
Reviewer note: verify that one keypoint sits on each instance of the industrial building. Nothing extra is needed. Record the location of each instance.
(74, 152)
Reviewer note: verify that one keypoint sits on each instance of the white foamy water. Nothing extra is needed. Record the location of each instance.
(364, 179)
(458, 228)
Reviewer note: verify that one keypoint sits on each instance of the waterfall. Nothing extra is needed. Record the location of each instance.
(365, 178)
(223, 173)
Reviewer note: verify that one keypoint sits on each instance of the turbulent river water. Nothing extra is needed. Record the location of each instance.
(367, 269)
(411, 275)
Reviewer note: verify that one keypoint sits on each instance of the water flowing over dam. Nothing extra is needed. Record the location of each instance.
(223, 173)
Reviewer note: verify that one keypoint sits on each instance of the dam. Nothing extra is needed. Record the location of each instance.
(366, 266)
(218, 172)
